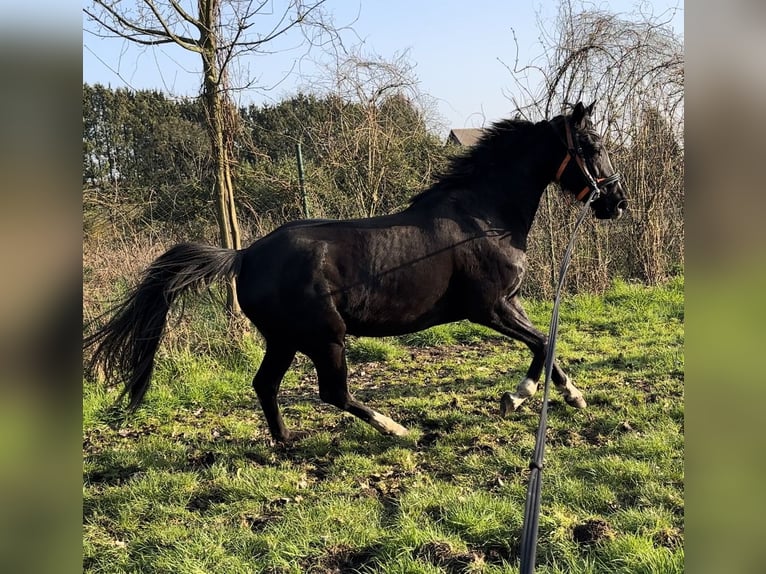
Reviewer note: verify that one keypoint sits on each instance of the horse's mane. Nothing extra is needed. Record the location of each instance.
(499, 143)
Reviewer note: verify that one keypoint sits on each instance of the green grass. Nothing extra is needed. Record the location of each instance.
(191, 483)
(366, 350)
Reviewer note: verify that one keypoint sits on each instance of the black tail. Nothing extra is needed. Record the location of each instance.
(126, 345)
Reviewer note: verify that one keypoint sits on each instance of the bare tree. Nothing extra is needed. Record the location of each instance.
(627, 62)
(220, 31)
(632, 65)
(379, 116)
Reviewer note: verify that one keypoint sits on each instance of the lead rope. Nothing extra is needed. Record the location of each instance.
(532, 507)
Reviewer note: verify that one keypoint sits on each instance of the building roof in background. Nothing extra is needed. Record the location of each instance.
(464, 136)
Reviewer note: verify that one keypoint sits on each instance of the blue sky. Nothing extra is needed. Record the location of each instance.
(460, 50)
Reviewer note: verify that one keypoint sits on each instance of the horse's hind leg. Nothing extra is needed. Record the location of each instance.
(266, 383)
(330, 363)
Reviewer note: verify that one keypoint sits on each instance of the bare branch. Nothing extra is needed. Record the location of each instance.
(133, 31)
(186, 43)
(178, 8)
(279, 29)
(161, 38)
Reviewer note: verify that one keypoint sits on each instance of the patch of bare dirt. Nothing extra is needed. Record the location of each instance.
(340, 560)
(442, 555)
(592, 531)
(258, 522)
(669, 538)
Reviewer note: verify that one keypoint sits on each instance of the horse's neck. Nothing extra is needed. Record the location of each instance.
(504, 196)
(512, 200)
(516, 214)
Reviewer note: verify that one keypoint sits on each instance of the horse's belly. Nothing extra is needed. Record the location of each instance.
(379, 315)
(390, 329)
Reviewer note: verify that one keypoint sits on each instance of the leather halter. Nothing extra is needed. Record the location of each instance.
(576, 153)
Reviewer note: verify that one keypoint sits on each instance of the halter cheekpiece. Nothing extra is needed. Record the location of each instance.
(577, 154)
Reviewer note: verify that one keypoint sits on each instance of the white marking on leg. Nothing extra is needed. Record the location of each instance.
(386, 425)
(511, 402)
(526, 388)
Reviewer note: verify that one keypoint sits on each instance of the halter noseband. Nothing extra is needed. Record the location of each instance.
(576, 153)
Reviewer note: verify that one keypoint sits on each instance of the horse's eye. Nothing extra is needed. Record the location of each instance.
(594, 144)
(591, 148)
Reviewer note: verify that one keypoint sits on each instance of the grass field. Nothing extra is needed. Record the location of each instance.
(192, 484)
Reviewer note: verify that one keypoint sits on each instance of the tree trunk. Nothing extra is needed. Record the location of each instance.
(214, 97)
(224, 192)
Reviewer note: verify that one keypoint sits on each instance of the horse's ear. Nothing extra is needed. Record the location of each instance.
(578, 113)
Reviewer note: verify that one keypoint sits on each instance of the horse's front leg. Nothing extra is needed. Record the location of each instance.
(508, 317)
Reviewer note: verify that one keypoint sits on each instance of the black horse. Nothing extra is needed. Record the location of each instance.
(456, 252)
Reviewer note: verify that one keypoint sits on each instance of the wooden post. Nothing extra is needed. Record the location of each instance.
(301, 180)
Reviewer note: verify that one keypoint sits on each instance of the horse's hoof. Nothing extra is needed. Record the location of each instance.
(509, 404)
(399, 430)
(289, 438)
(385, 425)
(577, 402)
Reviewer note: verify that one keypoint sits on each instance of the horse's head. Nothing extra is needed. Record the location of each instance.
(587, 164)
